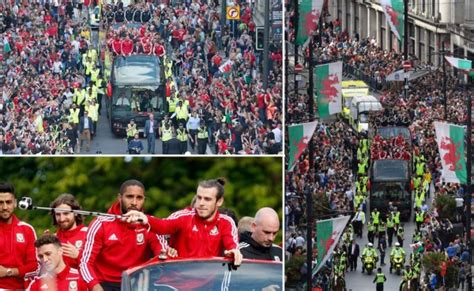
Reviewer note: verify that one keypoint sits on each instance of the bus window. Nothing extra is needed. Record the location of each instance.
(137, 100)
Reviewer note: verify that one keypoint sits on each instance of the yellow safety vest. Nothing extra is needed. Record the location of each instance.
(94, 74)
(202, 133)
(419, 216)
(182, 135)
(182, 112)
(74, 116)
(93, 112)
(380, 278)
(396, 217)
(131, 131)
(79, 96)
(167, 135)
(375, 217)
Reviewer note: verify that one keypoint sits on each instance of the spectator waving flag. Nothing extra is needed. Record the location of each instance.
(461, 64)
(309, 11)
(394, 13)
(299, 137)
(328, 233)
(450, 139)
(226, 67)
(328, 88)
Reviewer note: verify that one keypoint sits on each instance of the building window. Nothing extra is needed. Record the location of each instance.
(423, 6)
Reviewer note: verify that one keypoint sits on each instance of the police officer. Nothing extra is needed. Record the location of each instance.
(202, 138)
(182, 136)
(419, 218)
(396, 217)
(379, 279)
(166, 136)
(390, 228)
(375, 216)
(371, 231)
(400, 234)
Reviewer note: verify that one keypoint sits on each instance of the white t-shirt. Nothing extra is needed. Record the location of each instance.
(277, 133)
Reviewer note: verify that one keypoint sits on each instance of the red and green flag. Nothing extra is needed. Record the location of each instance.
(394, 13)
(309, 14)
(450, 139)
(328, 233)
(461, 64)
(328, 88)
(299, 136)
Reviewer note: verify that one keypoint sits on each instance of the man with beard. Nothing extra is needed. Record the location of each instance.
(71, 232)
(17, 250)
(112, 246)
(258, 244)
(200, 231)
(57, 275)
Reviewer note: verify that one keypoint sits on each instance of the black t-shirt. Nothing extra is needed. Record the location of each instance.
(250, 249)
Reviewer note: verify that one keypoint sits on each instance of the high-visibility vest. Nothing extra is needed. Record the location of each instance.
(396, 217)
(181, 134)
(400, 231)
(79, 96)
(371, 227)
(361, 169)
(74, 115)
(167, 134)
(375, 217)
(94, 74)
(390, 223)
(172, 104)
(419, 216)
(202, 133)
(131, 131)
(418, 200)
(382, 228)
(380, 278)
(358, 200)
(93, 112)
(39, 124)
(182, 112)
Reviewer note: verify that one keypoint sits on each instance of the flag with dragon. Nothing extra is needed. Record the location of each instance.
(309, 13)
(394, 13)
(450, 139)
(328, 78)
(299, 136)
(328, 233)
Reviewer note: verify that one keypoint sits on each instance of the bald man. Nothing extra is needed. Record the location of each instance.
(258, 244)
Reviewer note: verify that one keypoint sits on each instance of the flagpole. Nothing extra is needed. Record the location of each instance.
(468, 187)
(309, 190)
(405, 49)
(296, 20)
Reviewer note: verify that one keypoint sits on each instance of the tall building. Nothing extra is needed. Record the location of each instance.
(430, 23)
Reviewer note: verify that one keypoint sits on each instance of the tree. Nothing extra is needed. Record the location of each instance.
(432, 262)
(446, 206)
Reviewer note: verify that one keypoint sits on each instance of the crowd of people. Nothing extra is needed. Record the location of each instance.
(210, 70)
(94, 257)
(423, 105)
(217, 72)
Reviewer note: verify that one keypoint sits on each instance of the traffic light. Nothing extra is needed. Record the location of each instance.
(259, 38)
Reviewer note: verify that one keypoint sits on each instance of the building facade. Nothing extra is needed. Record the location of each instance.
(430, 23)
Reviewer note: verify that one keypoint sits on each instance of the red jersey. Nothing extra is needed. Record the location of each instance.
(159, 50)
(76, 237)
(67, 279)
(127, 47)
(112, 246)
(117, 46)
(17, 250)
(195, 237)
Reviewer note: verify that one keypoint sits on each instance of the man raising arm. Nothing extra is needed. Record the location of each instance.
(201, 231)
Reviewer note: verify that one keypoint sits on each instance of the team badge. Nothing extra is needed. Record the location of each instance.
(276, 258)
(214, 231)
(78, 244)
(72, 285)
(140, 238)
(20, 238)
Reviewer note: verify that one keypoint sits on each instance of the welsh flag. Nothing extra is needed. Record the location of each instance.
(299, 136)
(226, 67)
(309, 13)
(328, 233)
(328, 88)
(461, 64)
(450, 139)
(394, 13)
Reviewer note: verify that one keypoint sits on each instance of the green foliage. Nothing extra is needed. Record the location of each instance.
(321, 204)
(171, 183)
(293, 270)
(432, 262)
(446, 206)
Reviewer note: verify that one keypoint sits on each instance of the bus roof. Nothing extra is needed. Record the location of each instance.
(137, 70)
(353, 88)
(354, 84)
(390, 170)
